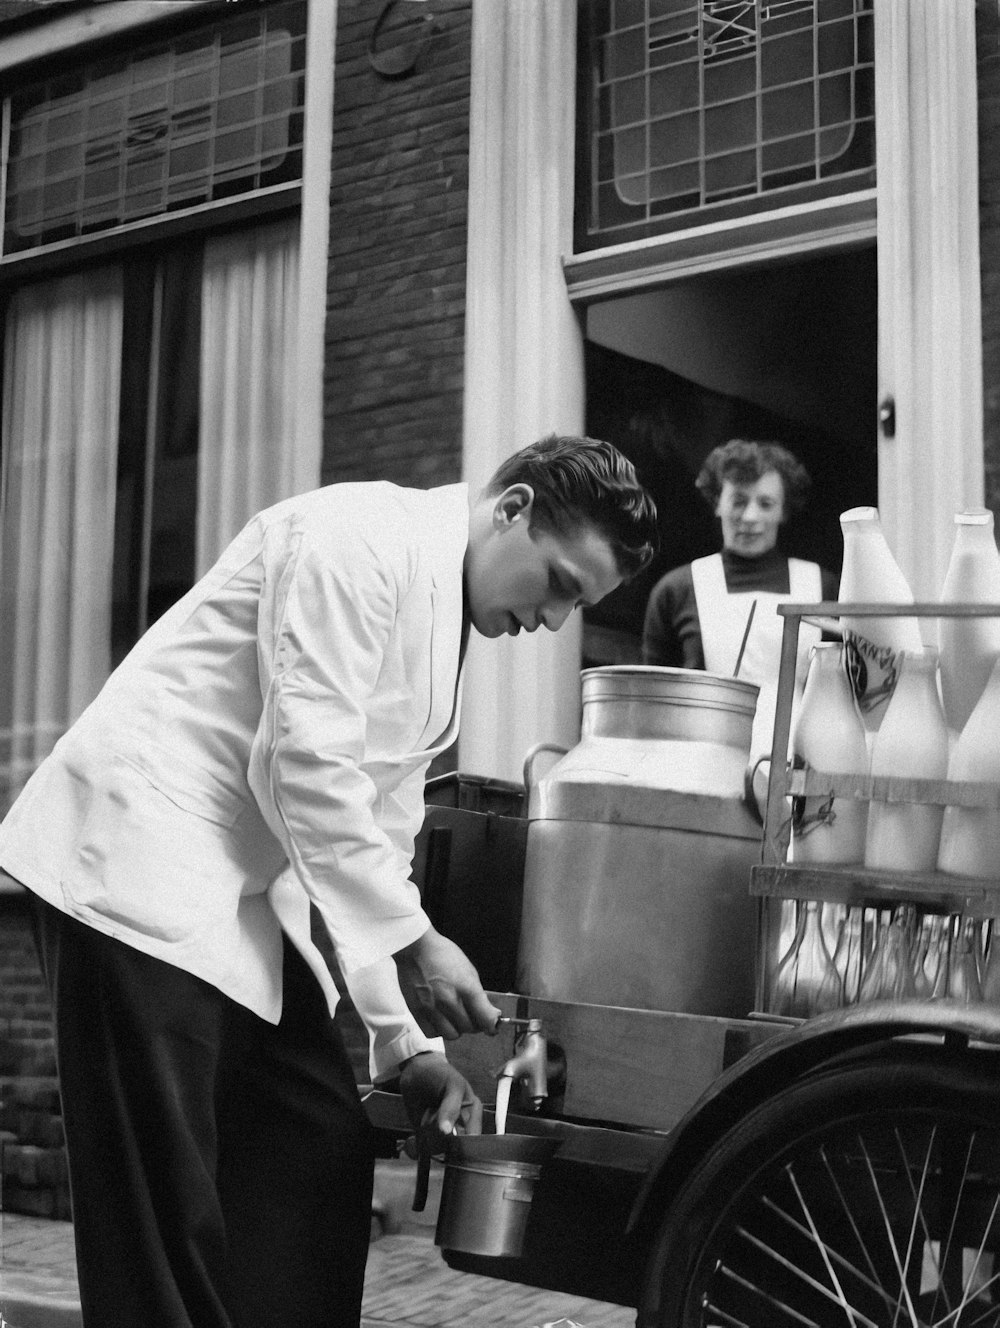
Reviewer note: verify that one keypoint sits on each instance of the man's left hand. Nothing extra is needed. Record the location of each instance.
(438, 1100)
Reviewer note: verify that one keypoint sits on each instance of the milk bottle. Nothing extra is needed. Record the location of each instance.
(871, 575)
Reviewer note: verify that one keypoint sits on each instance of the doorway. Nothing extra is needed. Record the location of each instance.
(784, 353)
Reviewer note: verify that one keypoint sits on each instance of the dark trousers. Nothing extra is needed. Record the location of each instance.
(220, 1166)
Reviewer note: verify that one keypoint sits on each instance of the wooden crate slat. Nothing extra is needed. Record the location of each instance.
(885, 788)
(862, 885)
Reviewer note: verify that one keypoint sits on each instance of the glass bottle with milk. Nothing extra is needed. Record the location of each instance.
(871, 575)
(911, 743)
(969, 646)
(970, 836)
(828, 737)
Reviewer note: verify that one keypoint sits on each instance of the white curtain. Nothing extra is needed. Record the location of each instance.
(247, 457)
(523, 345)
(62, 367)
(930, 334)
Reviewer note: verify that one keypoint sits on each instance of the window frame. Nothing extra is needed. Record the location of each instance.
(55, 35)
(836, 221)
(844, 222)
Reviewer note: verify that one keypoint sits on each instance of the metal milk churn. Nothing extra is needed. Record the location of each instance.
(639, 849)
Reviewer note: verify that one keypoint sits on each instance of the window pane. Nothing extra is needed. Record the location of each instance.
(673, 140)
(191, 160)
(734, 173)
(625, 53)
(630, 100)
(729, 78)
(238, 110)
(733, 125)
(785, 56)
(788, 111)
(158, 442)
(674, 90)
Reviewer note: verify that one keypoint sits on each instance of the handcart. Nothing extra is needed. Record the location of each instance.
(764, 1171)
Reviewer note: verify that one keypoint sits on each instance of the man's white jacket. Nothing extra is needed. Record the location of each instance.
(265, 744)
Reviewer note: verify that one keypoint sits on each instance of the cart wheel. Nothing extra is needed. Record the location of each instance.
(865, 1197)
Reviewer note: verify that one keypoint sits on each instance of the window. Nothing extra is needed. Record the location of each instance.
(207, 115)
(696, 110)
(148, 412)
(158, 432)
(150, 203)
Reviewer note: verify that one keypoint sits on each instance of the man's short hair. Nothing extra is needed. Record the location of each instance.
(744, 462)
(585, 482)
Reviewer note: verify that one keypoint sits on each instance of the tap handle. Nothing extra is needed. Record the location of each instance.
(529, 1025)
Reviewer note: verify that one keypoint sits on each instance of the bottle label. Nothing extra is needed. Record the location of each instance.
(808, 813)
(871, 669)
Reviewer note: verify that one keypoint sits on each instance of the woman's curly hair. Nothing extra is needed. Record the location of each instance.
(744, 462)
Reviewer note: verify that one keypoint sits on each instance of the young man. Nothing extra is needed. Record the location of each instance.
(264, 748)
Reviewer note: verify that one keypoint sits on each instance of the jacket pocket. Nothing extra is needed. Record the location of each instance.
(147, 863)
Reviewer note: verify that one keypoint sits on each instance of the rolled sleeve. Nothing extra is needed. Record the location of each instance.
(326, 613)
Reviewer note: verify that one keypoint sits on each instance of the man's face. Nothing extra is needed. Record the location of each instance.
(518, 580)
(751, 514)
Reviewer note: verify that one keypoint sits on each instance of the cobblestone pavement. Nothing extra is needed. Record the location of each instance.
(407, 1285)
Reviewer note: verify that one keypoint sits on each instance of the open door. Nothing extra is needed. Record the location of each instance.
(784, 353)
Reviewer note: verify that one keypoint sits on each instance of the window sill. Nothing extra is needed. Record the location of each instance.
(805, 228)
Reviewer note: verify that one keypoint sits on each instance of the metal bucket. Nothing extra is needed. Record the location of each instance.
(639, 848)
(489, 1182)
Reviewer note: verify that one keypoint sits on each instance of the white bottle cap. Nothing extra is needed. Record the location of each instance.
(859, 514)
(974, 516)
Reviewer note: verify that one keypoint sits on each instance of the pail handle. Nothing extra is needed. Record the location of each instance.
(423, 1177)
(750, 798)
(533, 753)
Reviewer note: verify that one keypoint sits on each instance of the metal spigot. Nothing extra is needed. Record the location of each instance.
(529, 1064)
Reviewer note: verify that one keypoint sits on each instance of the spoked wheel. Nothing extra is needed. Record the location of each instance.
(866, 1197)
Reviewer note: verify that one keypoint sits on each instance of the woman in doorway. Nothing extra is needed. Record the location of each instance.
(698, 614)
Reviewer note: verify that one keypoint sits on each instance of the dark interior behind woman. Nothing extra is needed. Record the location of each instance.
(698, 613)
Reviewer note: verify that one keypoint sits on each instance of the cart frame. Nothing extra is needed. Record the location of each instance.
(644, 1098)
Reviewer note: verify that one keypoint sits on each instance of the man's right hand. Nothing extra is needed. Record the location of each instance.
(442, 988)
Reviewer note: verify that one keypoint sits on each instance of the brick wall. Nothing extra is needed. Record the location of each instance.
(32, 1156)
(988, 61)
(396, 280)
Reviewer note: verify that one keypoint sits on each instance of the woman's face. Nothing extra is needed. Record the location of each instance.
(751, 514)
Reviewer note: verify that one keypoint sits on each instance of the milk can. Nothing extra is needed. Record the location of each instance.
(639, 849)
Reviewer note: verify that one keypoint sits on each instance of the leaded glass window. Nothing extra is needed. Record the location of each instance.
(702, 109)
(206, 115)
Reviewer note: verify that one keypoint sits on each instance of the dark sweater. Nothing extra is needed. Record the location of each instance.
(672, 633)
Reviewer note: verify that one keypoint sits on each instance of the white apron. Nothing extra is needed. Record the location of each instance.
(723, 619)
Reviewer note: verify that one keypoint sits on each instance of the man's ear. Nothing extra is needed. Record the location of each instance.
(513, 505)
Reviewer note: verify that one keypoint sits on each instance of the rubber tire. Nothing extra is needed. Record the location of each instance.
(955, 1091)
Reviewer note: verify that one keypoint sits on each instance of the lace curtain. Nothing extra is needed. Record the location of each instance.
(61, 405)
(57, 499)
(249, 310)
